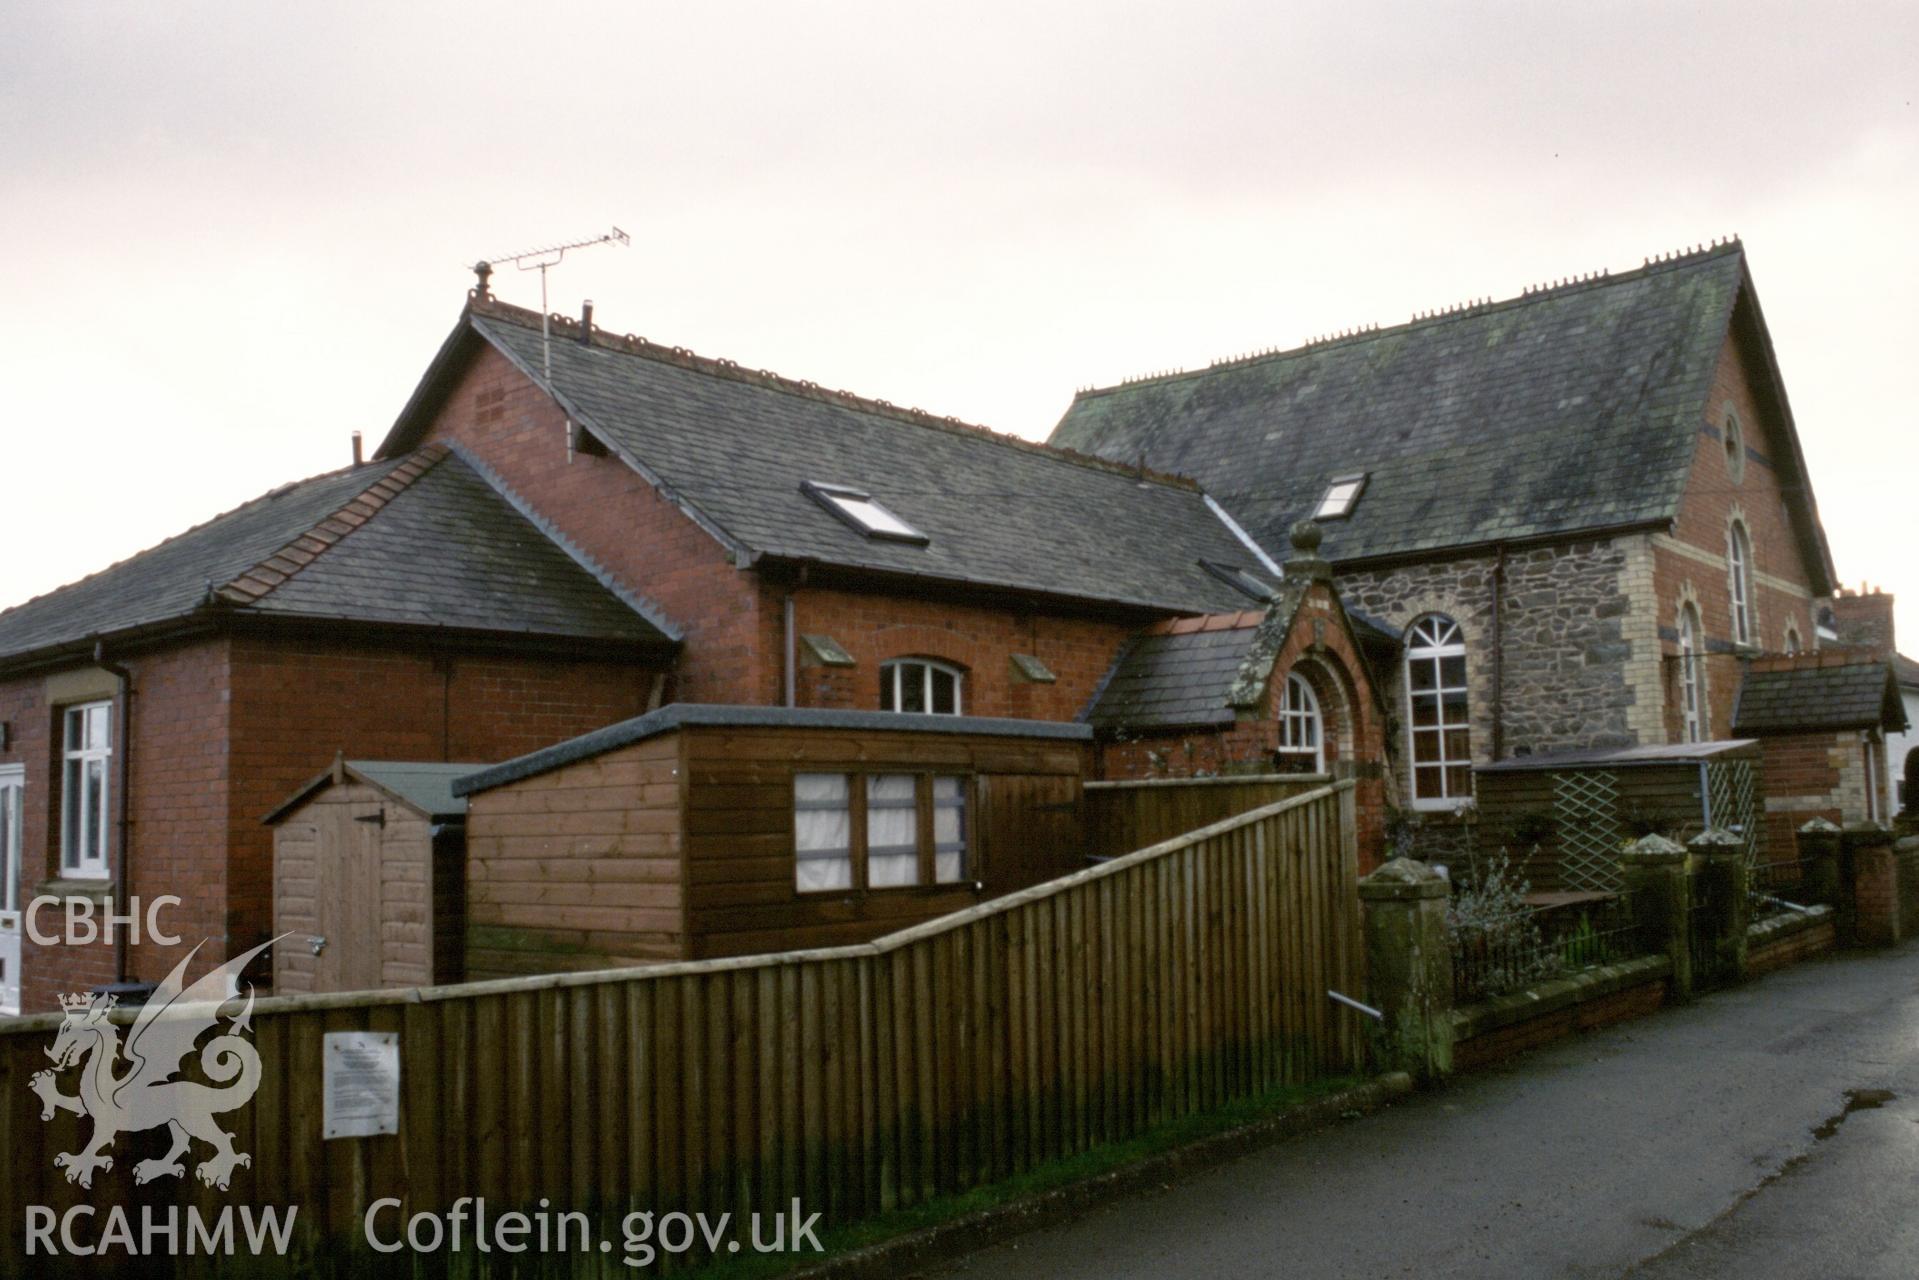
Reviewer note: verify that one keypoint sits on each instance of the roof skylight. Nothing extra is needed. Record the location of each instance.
(1340, 497)
(1241, 580)
(863, 512)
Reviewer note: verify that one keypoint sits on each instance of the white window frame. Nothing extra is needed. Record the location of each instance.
(1433, 638)
(893, 677)
(1302, 729)
(1692, 688)
(1739, 575)
(1341, 496)
(76, 859)
(13, 798)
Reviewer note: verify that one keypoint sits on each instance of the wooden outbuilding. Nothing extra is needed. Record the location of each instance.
(1564, 818)
(699, 830)
(368, 872)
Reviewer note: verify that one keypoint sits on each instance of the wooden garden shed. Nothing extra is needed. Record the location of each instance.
(368, 871)
(1565, 817)
(700, 830)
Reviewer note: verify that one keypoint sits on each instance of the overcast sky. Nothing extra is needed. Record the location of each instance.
(230, 234)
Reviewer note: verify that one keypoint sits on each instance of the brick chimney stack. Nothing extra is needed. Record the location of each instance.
(1864, 618)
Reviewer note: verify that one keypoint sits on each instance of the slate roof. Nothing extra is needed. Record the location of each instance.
(425, 786)
(677, 715)
(1852, 695)
(419, 540)
(1568, 409)
(1178, 678)
(733, 447)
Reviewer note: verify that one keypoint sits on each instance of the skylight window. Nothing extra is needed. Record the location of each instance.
(1241, 580)
(863, 512)
(1340, 497)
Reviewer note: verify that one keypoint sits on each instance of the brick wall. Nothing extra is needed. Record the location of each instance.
(874, 627)
(612, 514)
(1691, 562)
(1805, 777)
(297, 703)
(179, 771)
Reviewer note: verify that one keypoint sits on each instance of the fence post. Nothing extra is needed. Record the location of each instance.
(1722, 862)
(1819, 850)
(1409, 967)
(1654, 871)
(1870, 877)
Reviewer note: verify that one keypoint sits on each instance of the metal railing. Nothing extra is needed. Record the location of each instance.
(1781, 886)
(1537, 944)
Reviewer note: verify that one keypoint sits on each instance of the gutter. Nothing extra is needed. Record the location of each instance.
(121, 843)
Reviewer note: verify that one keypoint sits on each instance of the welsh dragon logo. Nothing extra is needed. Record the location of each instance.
(143, 1094)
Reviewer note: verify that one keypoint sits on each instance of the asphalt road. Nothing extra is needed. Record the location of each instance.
(1767, 1131)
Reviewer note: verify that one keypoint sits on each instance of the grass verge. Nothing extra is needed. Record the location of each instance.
(1033, 1185)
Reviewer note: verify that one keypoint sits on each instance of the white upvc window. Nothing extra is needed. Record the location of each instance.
(1441, 728)
(920, 686)
(1739, 570)
(1302, 732)
(85, 789)
(1691, 690)
(13, 783)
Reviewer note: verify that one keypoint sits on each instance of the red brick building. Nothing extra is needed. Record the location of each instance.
(556, 537)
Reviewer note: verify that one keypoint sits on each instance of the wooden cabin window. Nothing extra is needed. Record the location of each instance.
(822, 832)
(949, 830)
(920, 686)
(912, 831)
(1302, 736)
(892, 830)
(87, 755)
(1441, 726)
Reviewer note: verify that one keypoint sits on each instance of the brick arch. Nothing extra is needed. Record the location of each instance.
(954, 648)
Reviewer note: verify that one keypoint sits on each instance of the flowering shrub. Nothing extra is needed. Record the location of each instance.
(1496, 941)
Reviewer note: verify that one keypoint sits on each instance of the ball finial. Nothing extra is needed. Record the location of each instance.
(1306, 537)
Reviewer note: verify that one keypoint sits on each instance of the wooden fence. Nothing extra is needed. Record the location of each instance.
(856, 1079)
(1124, 816)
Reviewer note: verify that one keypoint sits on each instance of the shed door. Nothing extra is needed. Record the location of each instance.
(1030, 829)
(349, 897)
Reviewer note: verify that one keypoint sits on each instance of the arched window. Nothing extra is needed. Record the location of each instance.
(1441, 726)
(1739, 567)
(1792, 638)
(1735, 441)
(920, 686)
(1302, 733)
(1691, 687)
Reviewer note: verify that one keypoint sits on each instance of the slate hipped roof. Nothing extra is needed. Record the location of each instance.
(1570, 409)
(733, 446)
(1815, 692)
(415, 541)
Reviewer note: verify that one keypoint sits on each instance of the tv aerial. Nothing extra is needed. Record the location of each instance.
(543, 260)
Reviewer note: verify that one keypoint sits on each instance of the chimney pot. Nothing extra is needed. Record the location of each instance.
(357, 458)
(586, 321)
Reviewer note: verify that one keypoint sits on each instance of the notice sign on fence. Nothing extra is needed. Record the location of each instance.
(362, 1083)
